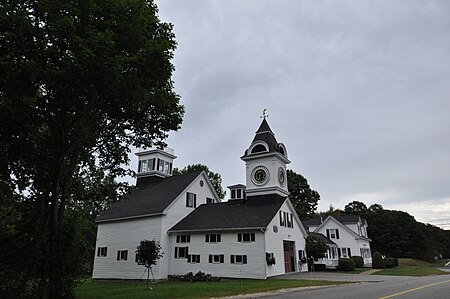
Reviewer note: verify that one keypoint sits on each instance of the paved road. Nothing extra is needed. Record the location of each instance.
(373, 286)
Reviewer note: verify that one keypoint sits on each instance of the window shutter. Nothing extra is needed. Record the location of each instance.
(106, 251)
(244, 259)
(187, 199)
(219, 238)
(189, 238)
(207, 238)
(189, 258)
(221, 258)
(328, 233)
(232, 259)
(339, 252)
(252, 236)
(281, 218)
(186, 252)
(195, 200)
(178, 238)
(337, 233)
(139, 166)
(210, 258)
(349, 252)
(98, 251)
(126, 255)
(176, 252)
(239, 237)
(118, 255)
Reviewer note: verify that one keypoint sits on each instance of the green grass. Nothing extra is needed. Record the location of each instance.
(411, 271)
(170, 289)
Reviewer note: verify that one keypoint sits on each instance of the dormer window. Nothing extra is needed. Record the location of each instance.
(259, 148)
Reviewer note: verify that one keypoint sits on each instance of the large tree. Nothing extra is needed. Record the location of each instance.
(80, 82)
(302, 196)
(214, 177)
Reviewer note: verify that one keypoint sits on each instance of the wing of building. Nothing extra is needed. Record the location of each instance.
(348, 236)
(255, 234)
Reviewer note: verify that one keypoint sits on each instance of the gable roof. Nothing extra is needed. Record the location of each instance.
(255, 212)
(151, 196)
(320, 236)
(344, 219)
(343, 225)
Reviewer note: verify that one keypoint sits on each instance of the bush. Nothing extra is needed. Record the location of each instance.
(390, 262)
(378, 261)
(320, 267)
(346, 264)
(359, 261)
(199, 276)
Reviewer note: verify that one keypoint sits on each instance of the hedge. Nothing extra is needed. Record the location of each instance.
(346, 264)
(359, 261)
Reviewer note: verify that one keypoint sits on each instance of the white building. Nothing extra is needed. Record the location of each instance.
(346, 235)
(256, 234)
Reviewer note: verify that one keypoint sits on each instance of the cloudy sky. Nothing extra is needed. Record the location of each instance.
(358, 91)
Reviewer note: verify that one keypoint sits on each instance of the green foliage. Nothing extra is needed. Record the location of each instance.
(303, 198)
(215, 178)
(356, 208)
(359, 261)
(81, 83)
(148, 253)
(390, 262)
(378, 261)
(315, 247)
(346, 264)
(320, 267)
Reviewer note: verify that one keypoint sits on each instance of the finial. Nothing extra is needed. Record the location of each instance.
(264, 114)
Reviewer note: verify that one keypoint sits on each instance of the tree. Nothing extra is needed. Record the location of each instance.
(147, 254)
(215, 178)
(80, 83)
(355, 208)
(315, 247)
(302, 196)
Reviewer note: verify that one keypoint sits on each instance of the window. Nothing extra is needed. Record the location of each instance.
(238, 259)
(193, 258)
(365, 252)
(164, 166)
(344, 252)
(181, 252)
(146, 165)
(301, 254)
(122, 255)
(333, 233)
(213, 238)
(102, 251)
(246, 237)
(286, 219)
(216, 258)
(239, 193)
(191, 200)
(233, 194)
(183, 238)
(209, 200)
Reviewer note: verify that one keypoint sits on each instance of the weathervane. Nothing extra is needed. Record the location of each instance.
(264, 114)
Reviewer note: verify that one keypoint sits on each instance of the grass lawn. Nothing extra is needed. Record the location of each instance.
(412, 267)
(171, 289)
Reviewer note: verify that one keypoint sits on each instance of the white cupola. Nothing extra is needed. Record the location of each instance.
(155, 162)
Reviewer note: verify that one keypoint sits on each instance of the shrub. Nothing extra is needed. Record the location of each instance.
(320, 267)
(390, 262)
(359, 261)
(346, 264)
(378, 261)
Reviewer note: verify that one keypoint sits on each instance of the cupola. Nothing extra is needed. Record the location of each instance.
(155, 162)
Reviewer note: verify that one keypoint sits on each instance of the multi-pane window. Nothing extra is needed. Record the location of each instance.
(146, 165)
(164, 166)
(191, 200)
(209, 200)
(345, 252)
(286, 219)
(216, 258)
(183, 238)
(181, 252)
(122, 255)
(213, 238)
(238, 259)
(333, 233)
(365, 252)
(102, 251)
(246, 237)
(193, 258)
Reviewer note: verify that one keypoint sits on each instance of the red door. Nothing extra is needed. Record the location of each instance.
(289, 265)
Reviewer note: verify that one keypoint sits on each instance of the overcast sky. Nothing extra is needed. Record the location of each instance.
(358, 91)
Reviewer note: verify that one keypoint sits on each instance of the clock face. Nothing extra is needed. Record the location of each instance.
(281, 176)
(260, 175)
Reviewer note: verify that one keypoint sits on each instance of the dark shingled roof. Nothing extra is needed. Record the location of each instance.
(344, 219)
(255, 212)
(151, 196)
(265, 134)
(323, 238)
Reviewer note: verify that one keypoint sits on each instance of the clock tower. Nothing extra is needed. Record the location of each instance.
(265, 162)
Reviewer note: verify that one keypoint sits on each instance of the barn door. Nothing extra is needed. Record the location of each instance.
(289, 262)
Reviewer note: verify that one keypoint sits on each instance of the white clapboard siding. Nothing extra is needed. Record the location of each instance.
(274, 242)
(124, 235)
(229, 245)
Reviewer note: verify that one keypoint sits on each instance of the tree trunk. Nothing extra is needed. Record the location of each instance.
(55, 266)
